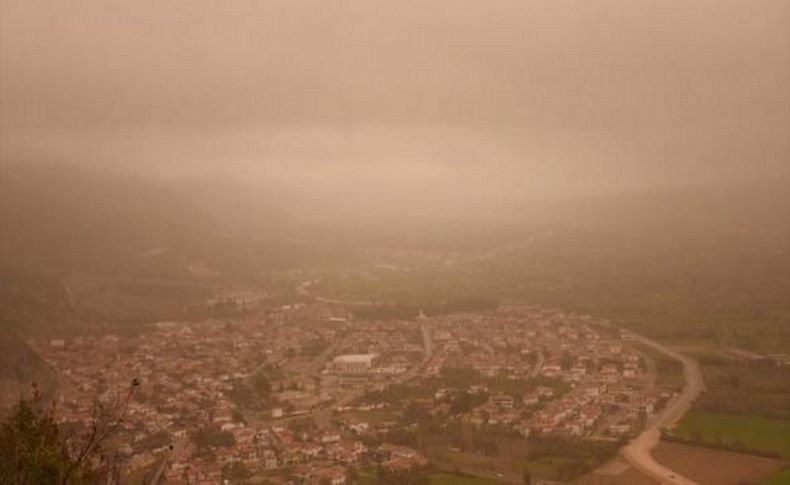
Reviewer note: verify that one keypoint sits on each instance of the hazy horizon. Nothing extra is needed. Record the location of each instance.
(389, 104)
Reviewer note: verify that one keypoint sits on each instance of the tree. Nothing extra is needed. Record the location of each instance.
(30, 447)
(566, 361)
(212, 436)
(235, 471)
(261, 384)
(527, 477)
(238, 417)
(413, 476)
(351, 474)
(34, 448)
(244, 396)
(416, 414)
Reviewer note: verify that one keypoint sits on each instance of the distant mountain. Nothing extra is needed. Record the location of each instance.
(81, 247)
(64, 229)
(61, 218)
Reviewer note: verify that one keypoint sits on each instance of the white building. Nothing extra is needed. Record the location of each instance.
(354, 363)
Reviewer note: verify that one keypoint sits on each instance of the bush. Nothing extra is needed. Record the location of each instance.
(34, 449)
(212, 436)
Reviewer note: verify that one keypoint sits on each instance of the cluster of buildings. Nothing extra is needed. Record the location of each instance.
(192, 376)
(540, 372)
(272, 392)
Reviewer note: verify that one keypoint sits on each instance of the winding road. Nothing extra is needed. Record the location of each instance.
(637, 452)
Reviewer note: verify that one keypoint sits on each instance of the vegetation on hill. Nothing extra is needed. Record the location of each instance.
(34, 448)
(79, 249)
(20, 367)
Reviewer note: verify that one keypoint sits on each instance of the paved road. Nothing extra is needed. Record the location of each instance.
(637, 452)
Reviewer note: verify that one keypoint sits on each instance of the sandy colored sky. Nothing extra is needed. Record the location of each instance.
(484, 98)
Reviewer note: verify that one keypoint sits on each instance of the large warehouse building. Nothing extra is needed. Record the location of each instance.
(354, 363)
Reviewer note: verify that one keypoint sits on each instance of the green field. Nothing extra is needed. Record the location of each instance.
(781, 478)
(729, 429)
(375, 416)
(453, 479)
(368, 477)
(421, 288)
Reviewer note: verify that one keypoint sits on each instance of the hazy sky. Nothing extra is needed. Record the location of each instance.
(488, 97)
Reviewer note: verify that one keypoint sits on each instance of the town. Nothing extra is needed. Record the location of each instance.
(306, 393)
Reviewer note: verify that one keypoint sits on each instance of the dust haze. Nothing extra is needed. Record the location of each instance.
(398, 242)
(417, 102)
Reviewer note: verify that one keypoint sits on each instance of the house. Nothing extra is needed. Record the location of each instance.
(503, 401)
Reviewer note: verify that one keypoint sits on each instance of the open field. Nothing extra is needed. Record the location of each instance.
(703, 351)
(779, 478)
(438, 478)
(749, 389)
(424, 287)
(366, 477)
(374, 416)
(617, 472)
(715, 467)
(453, 479)
(728, 429)
(551, 466)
